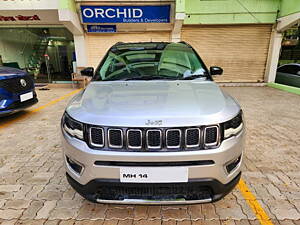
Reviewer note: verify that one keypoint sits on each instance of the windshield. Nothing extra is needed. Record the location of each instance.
(151, 61)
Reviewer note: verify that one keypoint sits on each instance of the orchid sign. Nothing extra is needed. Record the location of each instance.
(126, 14)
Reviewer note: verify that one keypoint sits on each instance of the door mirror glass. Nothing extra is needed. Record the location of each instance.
(215, 70)
(89, 72)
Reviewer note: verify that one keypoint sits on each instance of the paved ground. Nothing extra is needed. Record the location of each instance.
(33, 188)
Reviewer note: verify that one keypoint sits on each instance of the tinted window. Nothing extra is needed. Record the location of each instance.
(175, 61)
(292, 69)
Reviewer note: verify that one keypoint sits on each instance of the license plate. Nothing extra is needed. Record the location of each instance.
(26, 96)
(153, 174)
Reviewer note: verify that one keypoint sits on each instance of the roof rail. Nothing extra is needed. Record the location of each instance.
(183, 42)
(118, 43)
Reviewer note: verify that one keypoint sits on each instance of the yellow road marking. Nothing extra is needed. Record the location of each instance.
(29, 112)
(259, 212)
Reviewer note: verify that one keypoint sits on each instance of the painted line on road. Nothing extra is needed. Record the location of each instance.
(259, 212)
(29, 112)
(294, 90)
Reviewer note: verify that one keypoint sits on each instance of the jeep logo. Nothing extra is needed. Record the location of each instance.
(153, 122)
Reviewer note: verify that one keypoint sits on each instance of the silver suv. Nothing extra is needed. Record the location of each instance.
(152, 128)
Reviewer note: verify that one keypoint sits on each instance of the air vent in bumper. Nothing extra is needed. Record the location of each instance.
(121, 191)
(74, 165)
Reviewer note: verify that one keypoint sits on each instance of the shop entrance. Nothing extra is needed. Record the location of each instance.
(48, 54)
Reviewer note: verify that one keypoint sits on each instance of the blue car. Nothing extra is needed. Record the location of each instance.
(16, 91)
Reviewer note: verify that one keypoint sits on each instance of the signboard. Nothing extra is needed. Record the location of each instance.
(28, 17)
(101, 28)
(19, 17)
(125, 14)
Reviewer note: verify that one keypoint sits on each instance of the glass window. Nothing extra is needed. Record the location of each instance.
(292, 69)
(173, 61)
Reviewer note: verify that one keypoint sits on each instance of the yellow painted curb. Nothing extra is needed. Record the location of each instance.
(259, 212)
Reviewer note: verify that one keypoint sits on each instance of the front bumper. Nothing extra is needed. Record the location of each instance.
(208, 182)
(12, 104)
(140, 192)
(16, 107)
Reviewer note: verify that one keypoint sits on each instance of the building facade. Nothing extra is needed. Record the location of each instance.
(242, 36)
(37, 35)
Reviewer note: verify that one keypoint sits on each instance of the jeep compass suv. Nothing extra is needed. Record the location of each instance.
(152, 128)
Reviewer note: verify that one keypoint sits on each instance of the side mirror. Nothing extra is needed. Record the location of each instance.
(89, 72)
(215, 70)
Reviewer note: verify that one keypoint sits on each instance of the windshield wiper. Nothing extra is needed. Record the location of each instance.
(152, 78)
(195, 76)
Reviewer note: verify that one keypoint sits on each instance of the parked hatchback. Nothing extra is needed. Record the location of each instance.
(16, 91)
(153, 128)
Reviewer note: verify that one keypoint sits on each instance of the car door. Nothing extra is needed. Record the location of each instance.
(288, 75)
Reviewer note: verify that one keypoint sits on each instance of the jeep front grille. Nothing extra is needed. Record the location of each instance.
(115, 138)
(13, 85)
(134, 139)
(211, 135)
(173, 138)
(153, 139)
(192, 137)
(96, 136)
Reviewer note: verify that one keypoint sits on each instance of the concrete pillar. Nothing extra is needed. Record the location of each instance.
(70, 19)
(176, 32)
(275, 44)
(273, 55)
(80, 49)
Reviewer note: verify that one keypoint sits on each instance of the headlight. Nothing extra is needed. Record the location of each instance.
(233, 126)
(72, 127)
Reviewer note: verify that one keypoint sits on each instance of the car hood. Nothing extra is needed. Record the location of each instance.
(8, 72)
(152, 103)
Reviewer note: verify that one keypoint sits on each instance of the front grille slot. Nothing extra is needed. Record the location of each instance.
(211, 135)
(134, 138)
(192, 137)
(97, 136)
(121, 191)
(173, 138)
(155, 164)
(14, 84)
(153, 139)
(115, 138)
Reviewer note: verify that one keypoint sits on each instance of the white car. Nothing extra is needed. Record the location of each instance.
(153, 128)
